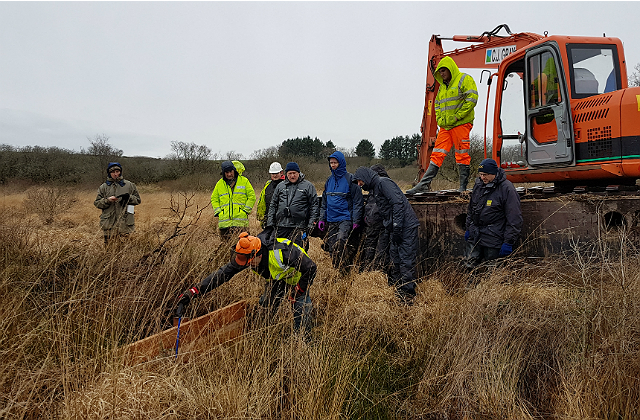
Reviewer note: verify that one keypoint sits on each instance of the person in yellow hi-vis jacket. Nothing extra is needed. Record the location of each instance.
(232, 199)
(455, 101)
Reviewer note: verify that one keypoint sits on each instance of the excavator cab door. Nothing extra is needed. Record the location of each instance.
(549, 138)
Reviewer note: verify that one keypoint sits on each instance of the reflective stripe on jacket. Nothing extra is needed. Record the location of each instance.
(456, 100)
(233, 205)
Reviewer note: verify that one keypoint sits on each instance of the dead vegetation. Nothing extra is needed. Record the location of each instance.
(559, 339)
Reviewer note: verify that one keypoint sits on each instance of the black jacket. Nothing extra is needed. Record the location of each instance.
(302, 200)
(494, 216)
(393, 206)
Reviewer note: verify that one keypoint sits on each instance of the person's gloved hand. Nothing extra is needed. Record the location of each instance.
(304, 235)
(505, 250)
(296, 293)
(466, 236)
(185, 298)
(396, 237)
(355, 226)
(451, 120)
(321, 225)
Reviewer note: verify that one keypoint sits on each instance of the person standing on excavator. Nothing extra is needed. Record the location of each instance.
(454, 104)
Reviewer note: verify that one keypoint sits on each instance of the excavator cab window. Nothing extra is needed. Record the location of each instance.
(544, 87)
(594, 69)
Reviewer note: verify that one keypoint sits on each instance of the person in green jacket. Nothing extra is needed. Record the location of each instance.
(116, 198)
(277, 175)
(454, 107)
(232, 199)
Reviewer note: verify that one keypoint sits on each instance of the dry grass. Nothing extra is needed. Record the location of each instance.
(557, 340)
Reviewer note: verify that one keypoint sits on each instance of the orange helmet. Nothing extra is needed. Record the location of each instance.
(247, 248)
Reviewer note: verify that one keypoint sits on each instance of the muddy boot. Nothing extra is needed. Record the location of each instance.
(464, 177)
(425, 183)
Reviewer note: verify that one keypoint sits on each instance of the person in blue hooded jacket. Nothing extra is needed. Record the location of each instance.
(341, 209)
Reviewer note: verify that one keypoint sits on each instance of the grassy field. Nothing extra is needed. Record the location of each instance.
(555, 340)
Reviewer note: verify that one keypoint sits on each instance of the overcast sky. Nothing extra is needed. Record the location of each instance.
(244, 76)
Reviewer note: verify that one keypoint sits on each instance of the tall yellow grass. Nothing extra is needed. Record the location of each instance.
(560, 339)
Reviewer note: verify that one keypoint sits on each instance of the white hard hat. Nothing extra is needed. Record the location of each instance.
(275, 168)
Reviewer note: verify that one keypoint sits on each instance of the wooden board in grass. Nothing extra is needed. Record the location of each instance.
(215, 327)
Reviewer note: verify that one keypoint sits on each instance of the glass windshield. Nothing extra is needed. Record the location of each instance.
(593, 70)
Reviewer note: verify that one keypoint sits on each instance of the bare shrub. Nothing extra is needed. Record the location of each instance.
(48, 202)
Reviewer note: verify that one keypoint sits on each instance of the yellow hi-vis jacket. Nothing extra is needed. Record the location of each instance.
(278, 268)
(455, 103)
(233, 205)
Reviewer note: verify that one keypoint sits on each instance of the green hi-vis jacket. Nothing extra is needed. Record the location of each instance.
(455, 103)
(233, 205)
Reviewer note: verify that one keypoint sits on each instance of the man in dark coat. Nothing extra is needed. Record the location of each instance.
(401, 222)
(375, 246)
(494, 218)
(293, 211)
(341, 210)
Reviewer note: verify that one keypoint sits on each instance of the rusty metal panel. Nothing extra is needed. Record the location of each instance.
(551, 225)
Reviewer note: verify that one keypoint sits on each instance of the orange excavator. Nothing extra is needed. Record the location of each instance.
(576, 119)
(562, 102)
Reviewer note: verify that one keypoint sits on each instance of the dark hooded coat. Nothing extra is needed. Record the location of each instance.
(494, 216)
(393, 206)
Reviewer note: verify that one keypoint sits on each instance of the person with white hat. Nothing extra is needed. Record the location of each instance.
(277, 175)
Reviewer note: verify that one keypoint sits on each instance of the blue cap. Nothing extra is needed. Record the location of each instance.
(292, 166)
(488, 166)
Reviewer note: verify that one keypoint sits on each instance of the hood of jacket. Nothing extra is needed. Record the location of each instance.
(366, 175)
(379, 169)
(451, 65)
(239, 166)
(341, 170)
(227, 165)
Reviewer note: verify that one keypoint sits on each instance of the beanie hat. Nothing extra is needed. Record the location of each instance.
(226, 166)
(292, 166)
(114, 166)
(488, 166)
(247, 248)
(275, 168)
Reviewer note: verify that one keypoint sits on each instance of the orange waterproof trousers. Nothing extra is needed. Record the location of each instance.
(457, 137)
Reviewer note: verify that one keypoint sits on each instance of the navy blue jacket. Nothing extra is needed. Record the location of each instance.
(394, 207)
(494, 216)
(341, 199)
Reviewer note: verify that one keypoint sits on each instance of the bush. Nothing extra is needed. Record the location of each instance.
(48, 202)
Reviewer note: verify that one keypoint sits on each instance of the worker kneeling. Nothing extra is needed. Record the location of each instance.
(286, 266)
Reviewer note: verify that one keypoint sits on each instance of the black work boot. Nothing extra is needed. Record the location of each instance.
(464, 177)
(425, 183)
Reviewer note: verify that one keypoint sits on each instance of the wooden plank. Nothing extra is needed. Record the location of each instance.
(222, 325)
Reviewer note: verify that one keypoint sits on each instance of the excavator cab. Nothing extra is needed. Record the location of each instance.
(573, 91)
